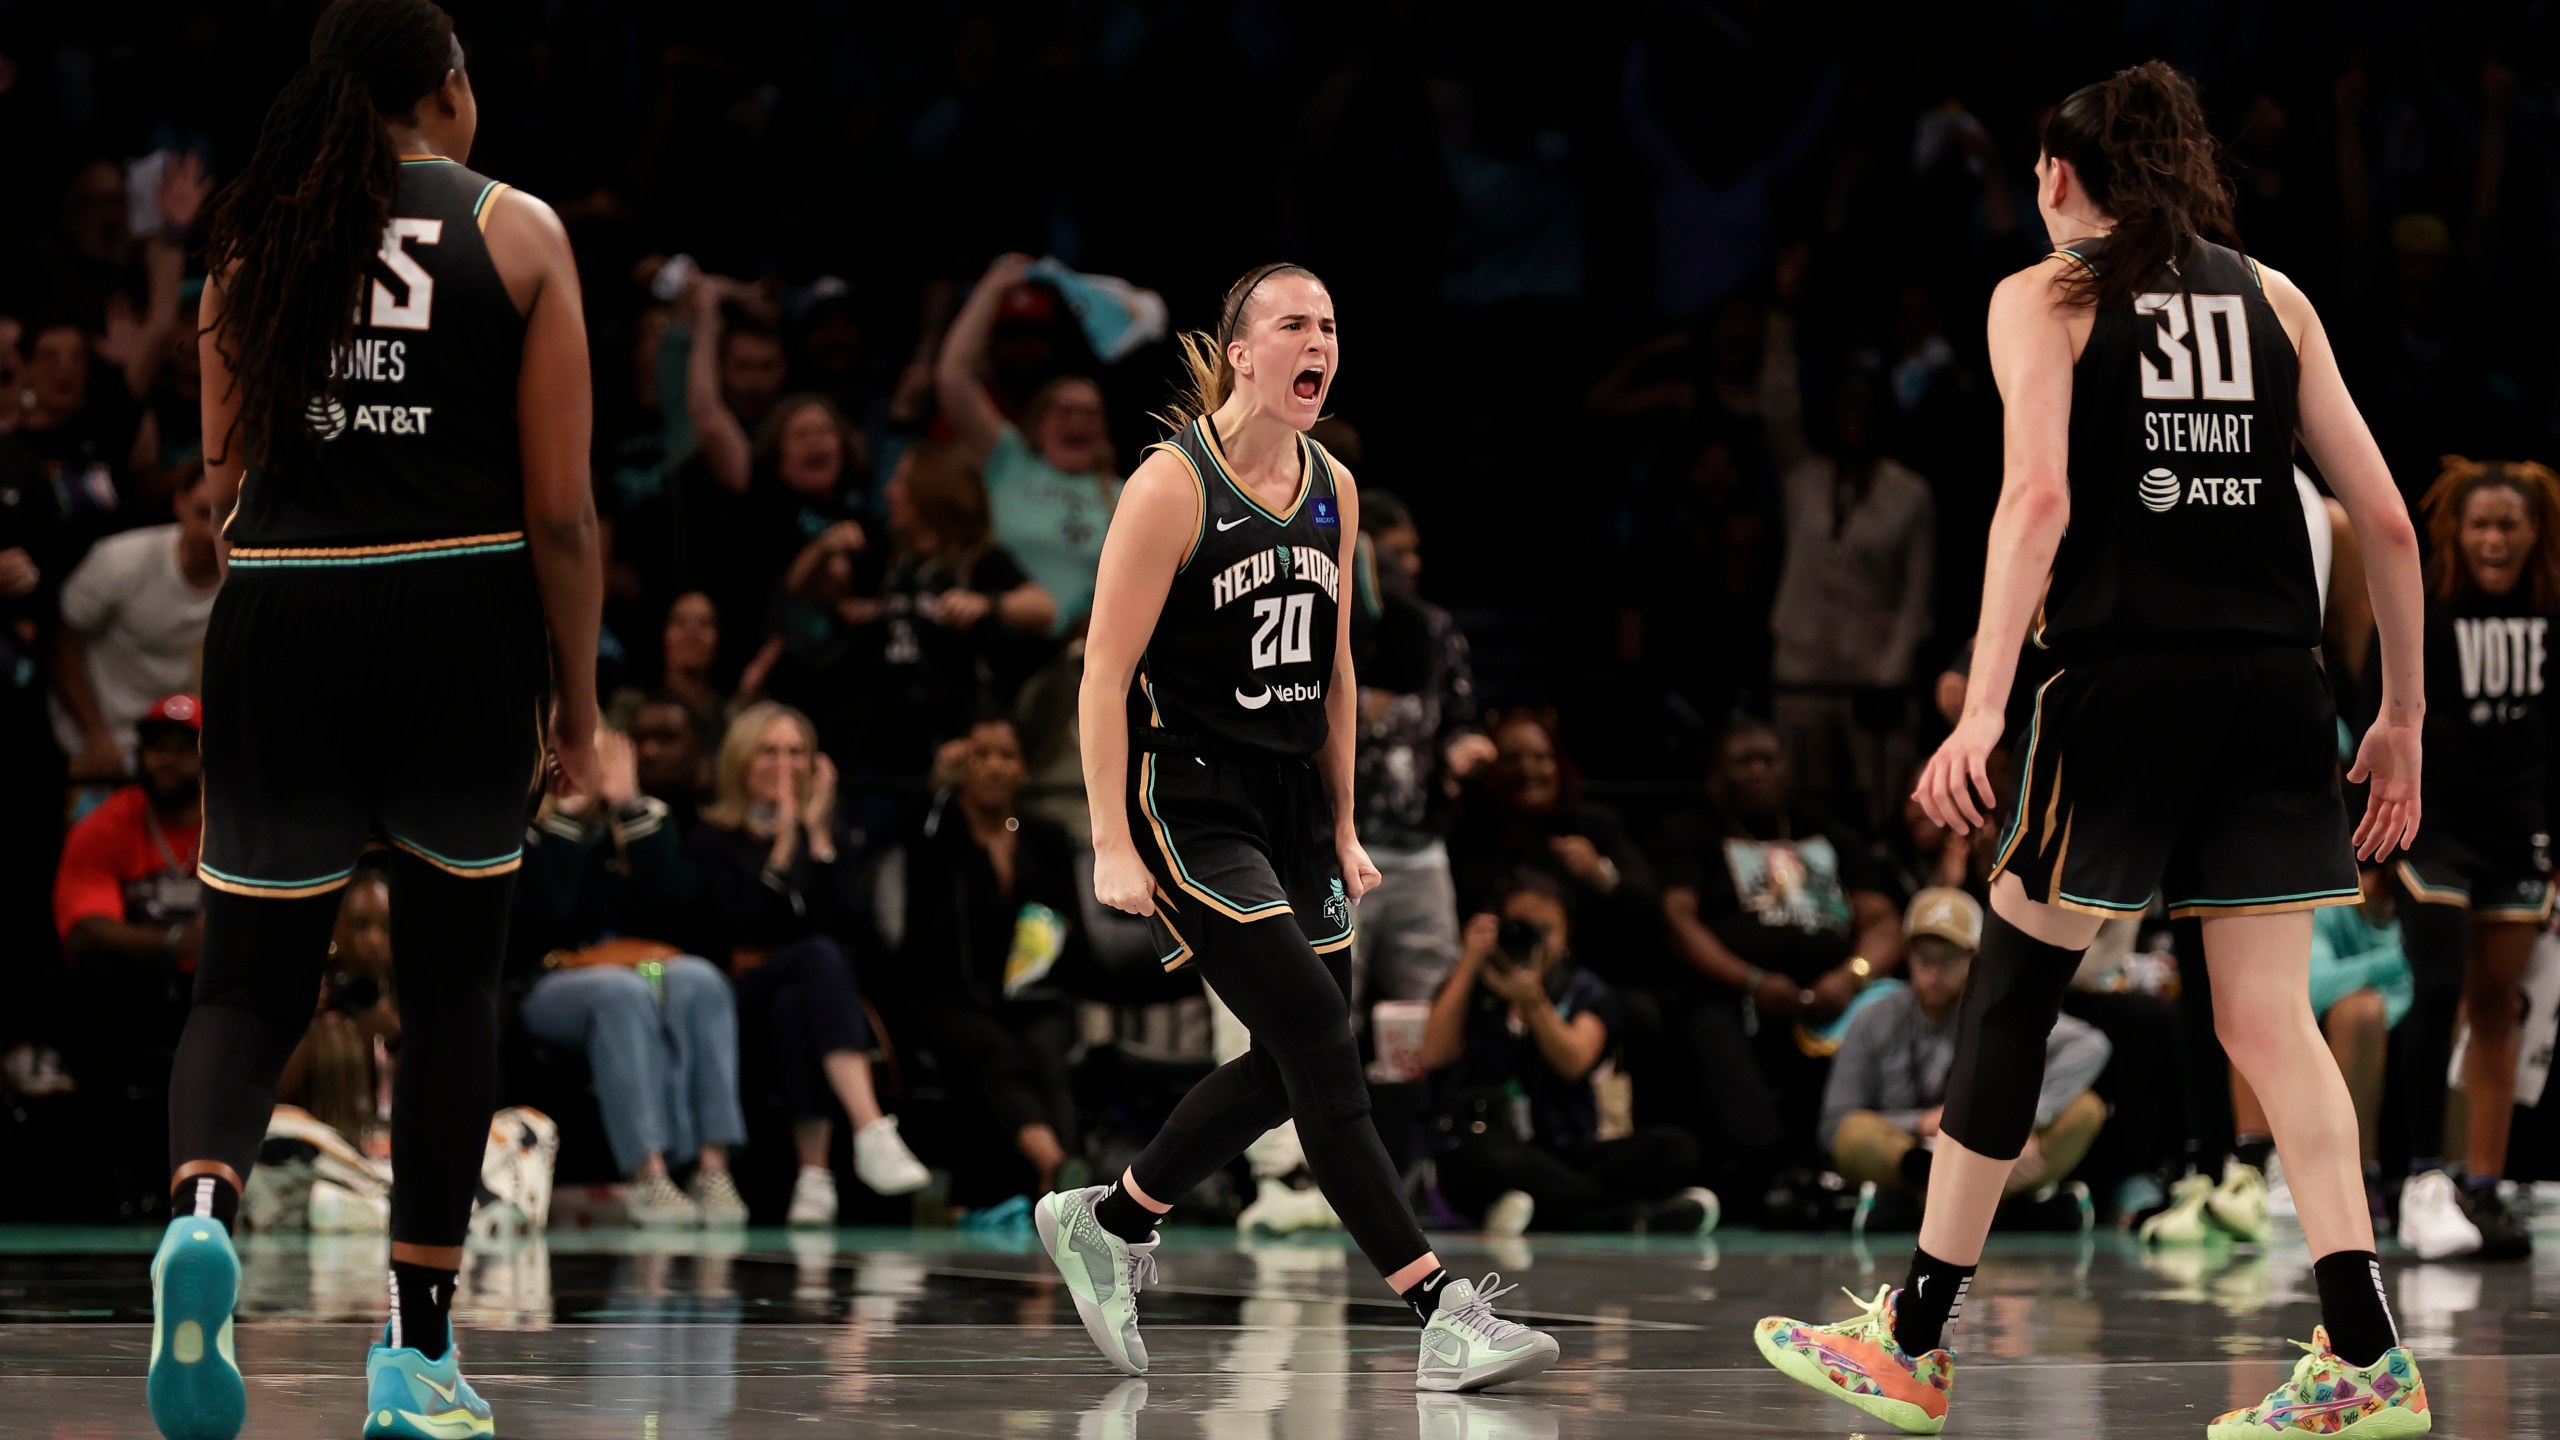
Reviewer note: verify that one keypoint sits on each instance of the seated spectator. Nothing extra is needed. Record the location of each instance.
(2361, 989)
(991, 908)
(133, 621)
(333, 1074)
(128, 907)
(688, 653)
(671, 755)
(780, 903)
(1526, 812)
(1889, 1077)
(1051, 481)
(1515, 1035)
(605, 883)
(903, 643)
(1778, 925)
(83, 426)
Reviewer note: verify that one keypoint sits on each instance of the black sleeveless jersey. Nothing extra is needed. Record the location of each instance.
(1243, 650)
(418, 445)
(2185, 526)
(2488, 733)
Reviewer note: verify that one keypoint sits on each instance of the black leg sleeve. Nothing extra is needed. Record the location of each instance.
(448, 940)
(257, 984)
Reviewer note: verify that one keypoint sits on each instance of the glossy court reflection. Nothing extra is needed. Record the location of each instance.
(938, 1334)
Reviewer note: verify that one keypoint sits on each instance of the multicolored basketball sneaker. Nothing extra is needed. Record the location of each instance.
(414, 1398)
(2326, 1396)
(1857, 1360)
(195, 1388)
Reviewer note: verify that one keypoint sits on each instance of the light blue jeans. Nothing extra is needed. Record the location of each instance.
(666, 1075)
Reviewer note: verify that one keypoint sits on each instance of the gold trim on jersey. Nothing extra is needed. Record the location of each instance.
(1199, 495)
(1218, 457)
(2426, 894)
(372, 554)
(487, 204)
(2272, 907)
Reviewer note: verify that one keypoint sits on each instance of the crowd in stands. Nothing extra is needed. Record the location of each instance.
(1675, 363)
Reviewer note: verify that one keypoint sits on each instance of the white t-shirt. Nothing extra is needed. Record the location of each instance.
(145, 626)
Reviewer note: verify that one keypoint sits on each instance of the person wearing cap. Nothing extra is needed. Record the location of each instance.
(134, 613)
(1889, 1078)
(127, 906)
(1051, 482)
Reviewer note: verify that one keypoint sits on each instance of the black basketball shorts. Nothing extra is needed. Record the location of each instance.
(1235, 842)
(2502, 879)
(353, 702)
(2209, 777)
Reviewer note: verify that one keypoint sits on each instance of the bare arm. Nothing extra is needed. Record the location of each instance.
(717, 434)
(2333, 430)
(1570, 1047)
(1160, 513)
(1334, 763)
(2032, 351)
(219, 404)
(1444, 1035)
(965, 401)
(555, 421)
(1027, 608)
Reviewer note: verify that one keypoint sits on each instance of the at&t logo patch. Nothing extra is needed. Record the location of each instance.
(2160, 490)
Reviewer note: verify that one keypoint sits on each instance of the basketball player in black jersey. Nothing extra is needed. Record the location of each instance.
(2154, 384)
(1218, 726)
(2476, 889)
(395, 377)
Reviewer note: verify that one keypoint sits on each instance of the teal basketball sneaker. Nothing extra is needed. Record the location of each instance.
(195, 1386)
(415, 1398)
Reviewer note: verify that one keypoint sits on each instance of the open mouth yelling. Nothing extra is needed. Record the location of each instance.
(1308, 385)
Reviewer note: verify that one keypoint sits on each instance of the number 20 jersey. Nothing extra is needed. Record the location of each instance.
(2186, 529)
(1243, 650)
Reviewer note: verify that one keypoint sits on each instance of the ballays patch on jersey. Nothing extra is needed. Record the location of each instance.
(1242, 656)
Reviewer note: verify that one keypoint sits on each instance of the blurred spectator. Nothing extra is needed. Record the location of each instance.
(1854, 600)
(334, 1074)
(31, 571)
(1778, 923)
(899, 646)
(128, 908)
(1889, 1078)
(688, 651)
(80, 424)
(1516, 1034)
(992, 901)
(733, 375)
(1418, 741)
(605, 885)
(1919, 853)
(1526, 813)
(133, 622)
(782, 902)
(1051, 481)
(673, 760)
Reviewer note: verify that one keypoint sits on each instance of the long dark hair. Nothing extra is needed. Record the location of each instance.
(294, 232)
(2448, 578)
(2140, 145)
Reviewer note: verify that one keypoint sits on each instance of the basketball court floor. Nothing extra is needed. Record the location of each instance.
(930, 1334)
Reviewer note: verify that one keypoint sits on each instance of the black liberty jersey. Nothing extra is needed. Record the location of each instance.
(418, 448)
(1243, 650)
(2185, 526)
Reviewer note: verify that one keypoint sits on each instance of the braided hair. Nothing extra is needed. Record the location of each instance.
(2140, 145)
(294, 234)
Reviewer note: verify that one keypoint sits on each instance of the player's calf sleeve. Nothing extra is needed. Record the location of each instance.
(2010, 1002)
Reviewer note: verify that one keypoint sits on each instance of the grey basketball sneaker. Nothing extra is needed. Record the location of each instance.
(1468, 1347)
(1103, 1272)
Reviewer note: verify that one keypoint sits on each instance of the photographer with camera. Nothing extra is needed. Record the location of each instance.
(1515, 1037)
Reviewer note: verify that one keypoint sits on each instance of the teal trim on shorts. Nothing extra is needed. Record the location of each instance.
(515, 854)
(243, 880)
(2350, 893)
(1164, 835)
(338, 561)
(2134, 907)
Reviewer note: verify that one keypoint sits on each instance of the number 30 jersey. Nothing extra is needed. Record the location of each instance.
(1242, 652)
(416, 450)
(2186, 530)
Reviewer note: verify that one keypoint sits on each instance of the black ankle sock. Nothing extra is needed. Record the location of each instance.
(1915, 1168)
(1424, 1295)
(1119, 1212)
(1932, 1299)
(206, 1195)
(2254, 1150)
(421, 1297)
(2475, 1184)
(2353, 1306)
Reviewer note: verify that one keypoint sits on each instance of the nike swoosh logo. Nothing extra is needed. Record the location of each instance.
(1444, 1349)
(1920, 1287)
(1254, 702)
(1226, 525)
(443, 1393)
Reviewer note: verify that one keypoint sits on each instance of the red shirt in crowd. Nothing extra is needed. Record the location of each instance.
(115, 868)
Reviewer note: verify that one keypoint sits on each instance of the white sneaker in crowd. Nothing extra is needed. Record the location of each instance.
(813, 1197)
(2239, 1203)
(2432, 1224)
(715, 1194)
(654, 1203)
(1280, 1208)
(1510, 1213)
(337, 1210)
(882, 1161)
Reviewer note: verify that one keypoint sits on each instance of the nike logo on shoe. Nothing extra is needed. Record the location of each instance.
(444, 1393)
(1444, 1349)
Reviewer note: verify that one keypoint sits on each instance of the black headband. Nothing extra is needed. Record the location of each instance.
(1244, 292)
